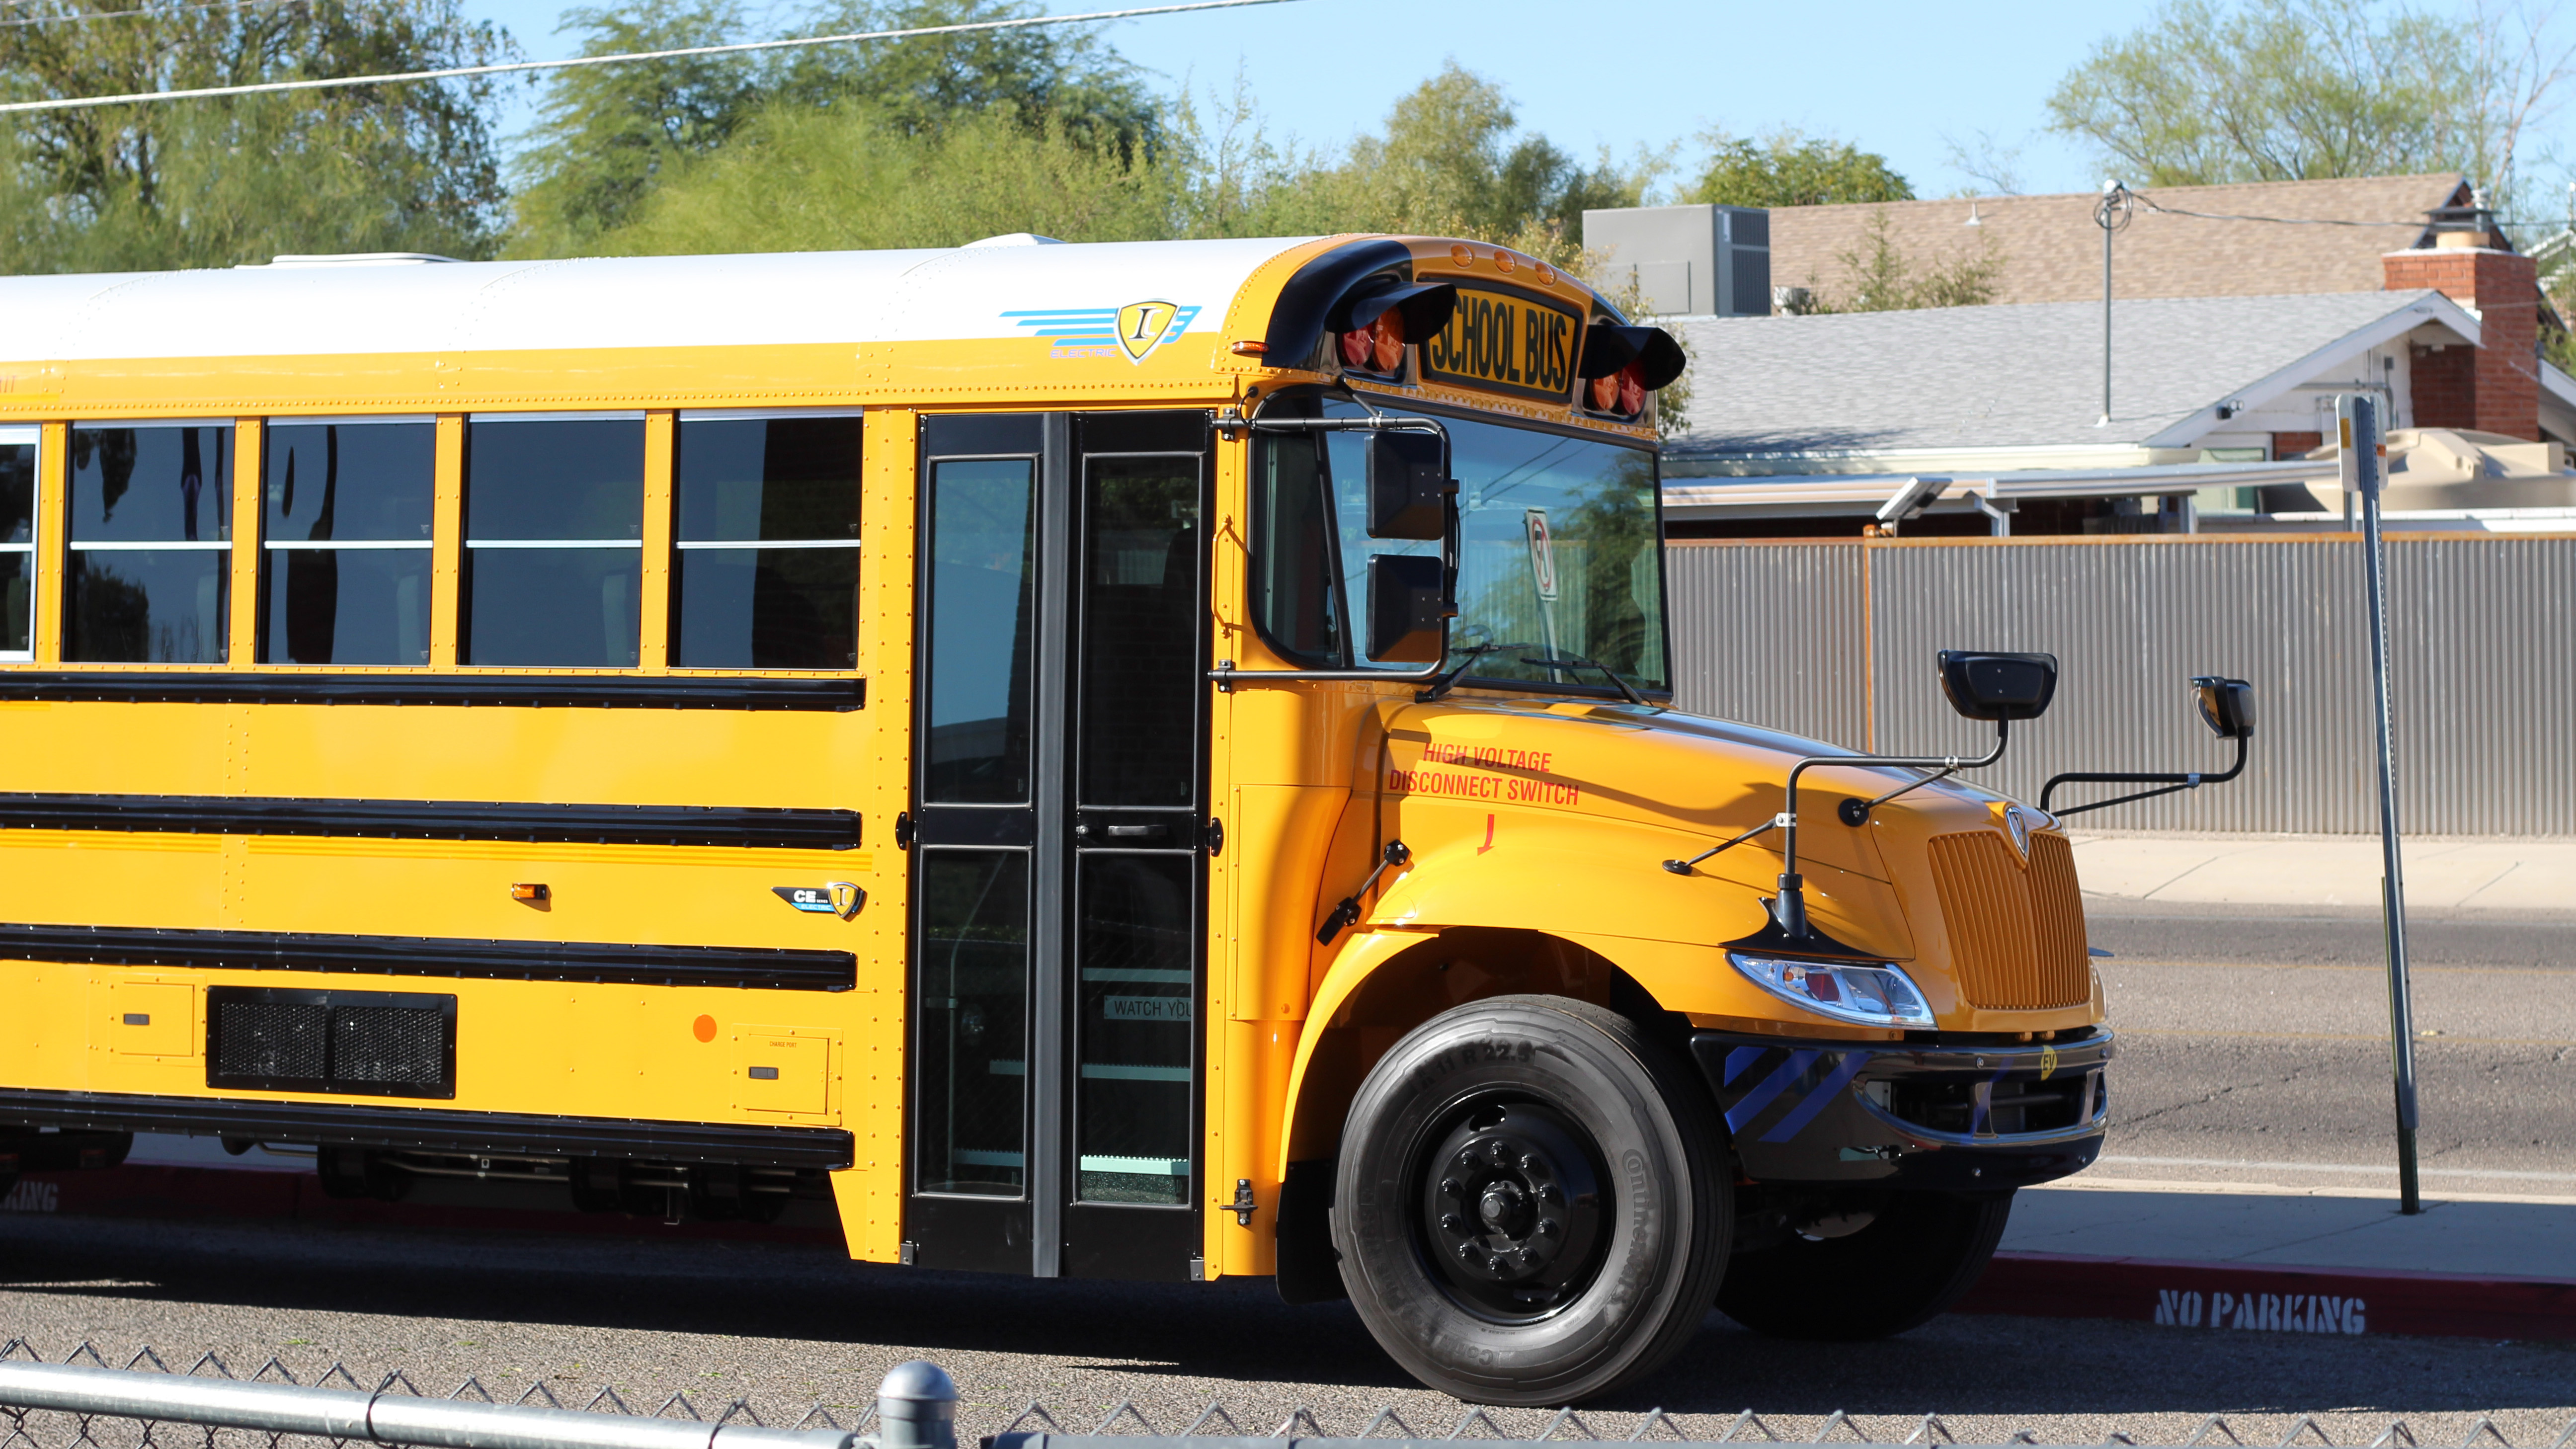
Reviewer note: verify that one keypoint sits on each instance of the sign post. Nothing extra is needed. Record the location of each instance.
(2363, 462)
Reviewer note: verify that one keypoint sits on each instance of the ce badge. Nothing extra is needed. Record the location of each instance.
(841, 898)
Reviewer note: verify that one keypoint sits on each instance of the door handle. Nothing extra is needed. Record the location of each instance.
(1139, 832)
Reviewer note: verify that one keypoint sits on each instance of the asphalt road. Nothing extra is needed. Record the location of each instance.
(2252, 1042)
(2255, 1049)
(790, 1328)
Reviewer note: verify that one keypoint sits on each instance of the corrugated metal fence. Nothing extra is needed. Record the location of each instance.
(1836, 640)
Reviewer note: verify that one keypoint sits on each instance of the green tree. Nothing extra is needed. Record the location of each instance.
(1788, 168)
(1879, 277)
(407, 167)
(1451, 161)
(1047, 75)
(851, 176)
(606, 133)
(610, 136)
(2281, 90)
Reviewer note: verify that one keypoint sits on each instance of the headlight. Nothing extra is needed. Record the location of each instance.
(1865, 995)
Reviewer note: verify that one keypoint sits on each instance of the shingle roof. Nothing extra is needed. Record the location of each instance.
(2025, 376)
(2052, 251)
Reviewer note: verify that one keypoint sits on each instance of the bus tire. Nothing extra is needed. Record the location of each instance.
(1917, 1256)
(1485, 1238)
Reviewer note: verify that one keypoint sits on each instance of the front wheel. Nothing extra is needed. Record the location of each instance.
(1917, 1254)
(1531, 1206)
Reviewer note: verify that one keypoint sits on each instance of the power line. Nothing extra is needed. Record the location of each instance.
(514, 67)
(2150, 204)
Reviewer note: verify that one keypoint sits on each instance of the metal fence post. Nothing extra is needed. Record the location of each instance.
(917, 1408)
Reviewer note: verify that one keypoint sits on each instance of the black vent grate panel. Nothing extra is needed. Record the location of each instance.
(278, 1040)
(387, 1044)
(368, 1043)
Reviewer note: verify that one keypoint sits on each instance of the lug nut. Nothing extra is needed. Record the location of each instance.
(1450, 1222)
(1467, 1251)
(1494, 1264)
(1547, 1227)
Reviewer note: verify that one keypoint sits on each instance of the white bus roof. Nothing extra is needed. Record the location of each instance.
(308, 306)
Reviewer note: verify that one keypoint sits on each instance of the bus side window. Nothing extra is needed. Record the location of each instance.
(150, 573)
(17, 543)
(767, 575)
(554, 540)
(344, 541)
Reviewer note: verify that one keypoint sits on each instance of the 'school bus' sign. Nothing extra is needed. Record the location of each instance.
(1505, 342)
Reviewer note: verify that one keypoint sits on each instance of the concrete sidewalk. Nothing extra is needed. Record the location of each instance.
(2193, 1255)
(2478, 1234)
(2332, 871)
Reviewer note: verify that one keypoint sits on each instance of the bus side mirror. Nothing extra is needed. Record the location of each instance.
(1408, 608)
(1409, 486)
(1998, 687)
(2226, 706)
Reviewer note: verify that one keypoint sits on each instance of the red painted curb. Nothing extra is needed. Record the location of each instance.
(153, 1190)
(2176, 1294)
(2188, 1295)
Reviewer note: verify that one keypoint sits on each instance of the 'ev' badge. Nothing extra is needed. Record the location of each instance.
(841, 898)
(2017, 825)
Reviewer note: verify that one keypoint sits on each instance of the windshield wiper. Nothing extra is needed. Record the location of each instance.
(1577, 661)
(1449, 681)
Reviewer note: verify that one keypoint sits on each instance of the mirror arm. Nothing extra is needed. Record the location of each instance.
(2171, 784)
(1226, 675)
(1790, 909)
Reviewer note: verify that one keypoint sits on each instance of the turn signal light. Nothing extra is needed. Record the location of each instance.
(529, 891)
(1250, 348)
(1623, 391)
(1378, 347)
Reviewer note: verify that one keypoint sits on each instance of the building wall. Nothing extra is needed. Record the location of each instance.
(2494, 387)
(2483, 666)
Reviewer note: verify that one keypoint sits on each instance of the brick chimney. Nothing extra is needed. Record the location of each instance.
(2494, 387)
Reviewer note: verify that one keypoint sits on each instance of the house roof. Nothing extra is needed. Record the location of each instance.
(2016, 376)
(2051, 249)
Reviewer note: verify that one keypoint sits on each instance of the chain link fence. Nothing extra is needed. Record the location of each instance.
(147, 1404)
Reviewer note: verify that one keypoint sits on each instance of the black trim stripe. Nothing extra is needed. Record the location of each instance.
(434, 1129)
(592, 961)
(790, 829)
(660, 691)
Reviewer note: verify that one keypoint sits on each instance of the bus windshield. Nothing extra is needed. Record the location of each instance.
(1560, 551)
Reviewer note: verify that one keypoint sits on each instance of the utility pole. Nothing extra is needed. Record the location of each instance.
(2112, 214)
(2364, 467)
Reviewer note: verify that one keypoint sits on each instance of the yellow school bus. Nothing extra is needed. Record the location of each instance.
(1144, 760)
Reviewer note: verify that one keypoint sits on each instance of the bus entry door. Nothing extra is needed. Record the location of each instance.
(1058, 959)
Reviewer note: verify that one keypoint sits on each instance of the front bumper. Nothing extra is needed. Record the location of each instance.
(1904, 1115)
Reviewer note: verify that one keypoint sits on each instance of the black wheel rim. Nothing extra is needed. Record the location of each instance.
(1513, 1220)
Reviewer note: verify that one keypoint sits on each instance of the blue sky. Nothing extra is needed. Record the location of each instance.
(1898, 78)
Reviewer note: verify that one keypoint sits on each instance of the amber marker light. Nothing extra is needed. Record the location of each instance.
(1250, 348)
(1386, 340)
(1464, 256)
(1503, 260)
(531, 891)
